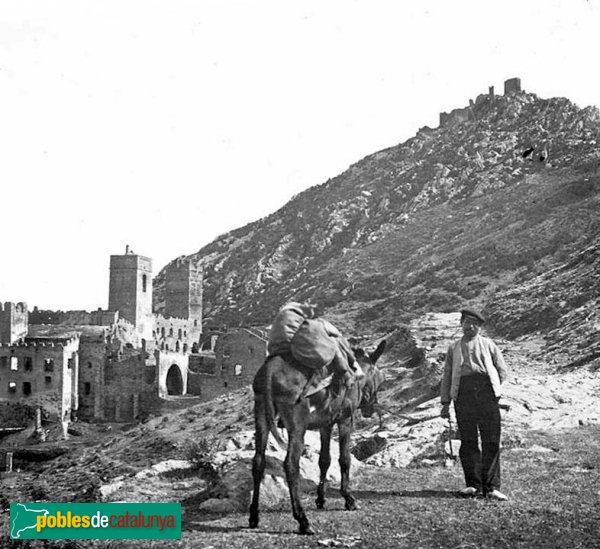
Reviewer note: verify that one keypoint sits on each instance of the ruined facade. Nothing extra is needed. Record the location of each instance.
(239, 353)
(41, 372)
(117, 364)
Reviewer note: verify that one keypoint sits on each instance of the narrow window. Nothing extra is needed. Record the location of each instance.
(179, 333)
(171, 331)
(144, 283)
(177, 346)
(48, 365)
(26, 388)
(3, 361)
(195, 322)
(12, 387)
(185, 347)
(87, 388)
(89, 364)
(48, 380)
(70, 363)
(28, 364)
(14, 363)
(162, 331)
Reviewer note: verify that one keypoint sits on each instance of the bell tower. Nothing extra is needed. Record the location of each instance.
(130, 290)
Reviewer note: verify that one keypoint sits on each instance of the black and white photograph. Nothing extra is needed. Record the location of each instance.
(299, 274)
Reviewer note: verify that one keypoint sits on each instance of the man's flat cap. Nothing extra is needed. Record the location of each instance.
(472, 313)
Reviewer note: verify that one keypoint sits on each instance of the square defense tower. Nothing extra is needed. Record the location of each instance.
(183, 295)
(130, 290)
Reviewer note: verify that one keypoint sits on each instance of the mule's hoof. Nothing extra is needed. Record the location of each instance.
(351, 506)
(306, 531)
(253, 523)
(320, 504)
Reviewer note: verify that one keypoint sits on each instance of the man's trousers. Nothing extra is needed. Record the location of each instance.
(478, 414)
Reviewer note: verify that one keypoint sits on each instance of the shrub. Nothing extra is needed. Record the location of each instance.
(202, 455)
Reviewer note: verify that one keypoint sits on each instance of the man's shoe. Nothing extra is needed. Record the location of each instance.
(497, 495)
(469, 492)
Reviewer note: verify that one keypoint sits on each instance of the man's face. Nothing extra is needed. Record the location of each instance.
(470, 326)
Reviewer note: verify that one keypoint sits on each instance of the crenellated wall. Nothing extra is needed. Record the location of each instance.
(14, 320)
(41, 372)
(176, 334)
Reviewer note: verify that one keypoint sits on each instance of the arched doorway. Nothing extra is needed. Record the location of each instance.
(174, 381)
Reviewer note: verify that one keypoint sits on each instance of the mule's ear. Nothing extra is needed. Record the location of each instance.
(378, 352)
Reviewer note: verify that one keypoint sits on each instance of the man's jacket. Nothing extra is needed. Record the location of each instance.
(487, 353)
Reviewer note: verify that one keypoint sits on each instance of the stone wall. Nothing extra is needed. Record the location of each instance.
(128, 390)
(239, 354)
(73, 318)
(456, 116)
(92, 359)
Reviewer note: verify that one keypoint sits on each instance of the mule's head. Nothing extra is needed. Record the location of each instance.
(372, 380)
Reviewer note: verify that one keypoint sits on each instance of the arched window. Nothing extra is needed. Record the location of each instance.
(144, 283)
(179, 333)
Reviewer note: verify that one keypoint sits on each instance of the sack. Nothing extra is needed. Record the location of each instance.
(312, 346)
(284, 328)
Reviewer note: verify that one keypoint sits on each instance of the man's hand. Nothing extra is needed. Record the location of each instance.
(445, 412)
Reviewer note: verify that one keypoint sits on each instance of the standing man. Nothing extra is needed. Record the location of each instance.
(473, 373)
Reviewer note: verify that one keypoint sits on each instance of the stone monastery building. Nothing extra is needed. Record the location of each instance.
(118, 364)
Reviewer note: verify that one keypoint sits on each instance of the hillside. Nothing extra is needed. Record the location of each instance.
(473, 212)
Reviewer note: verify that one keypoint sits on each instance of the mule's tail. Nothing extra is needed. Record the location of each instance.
(269, 403)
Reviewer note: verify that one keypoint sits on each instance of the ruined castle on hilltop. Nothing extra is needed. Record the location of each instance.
(118, 364)
(466, 114)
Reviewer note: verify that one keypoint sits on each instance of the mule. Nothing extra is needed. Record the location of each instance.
(279, 387)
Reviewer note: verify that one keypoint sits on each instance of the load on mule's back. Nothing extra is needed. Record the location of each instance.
(312, 342)
(295, 384)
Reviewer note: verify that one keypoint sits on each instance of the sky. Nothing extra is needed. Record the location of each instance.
(161, 124)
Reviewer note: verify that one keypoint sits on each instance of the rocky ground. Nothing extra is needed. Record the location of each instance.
(165, 459)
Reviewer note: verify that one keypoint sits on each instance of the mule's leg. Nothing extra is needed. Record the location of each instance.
(324, 463)
(261, 436)
(345, 432)
(292, 472)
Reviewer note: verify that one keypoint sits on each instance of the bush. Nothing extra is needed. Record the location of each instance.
(202, 455)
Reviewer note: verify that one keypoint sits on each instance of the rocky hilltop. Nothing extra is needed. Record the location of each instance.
(499, 210)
